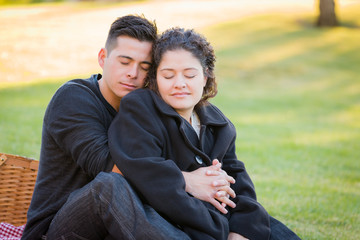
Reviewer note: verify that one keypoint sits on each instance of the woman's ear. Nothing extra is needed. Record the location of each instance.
(101, 57)
(205, 81)
(205, 77)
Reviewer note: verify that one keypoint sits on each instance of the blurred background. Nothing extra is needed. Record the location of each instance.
(61, 38)
(288, 75)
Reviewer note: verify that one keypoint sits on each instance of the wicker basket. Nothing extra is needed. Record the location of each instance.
(17, 180)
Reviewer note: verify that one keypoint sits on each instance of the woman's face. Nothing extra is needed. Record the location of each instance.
(180, 78)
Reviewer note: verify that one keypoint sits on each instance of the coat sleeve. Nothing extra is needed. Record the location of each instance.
(248, 218)
(74, 119)
(136, 142)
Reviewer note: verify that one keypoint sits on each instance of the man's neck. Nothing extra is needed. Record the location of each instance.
(109, 96)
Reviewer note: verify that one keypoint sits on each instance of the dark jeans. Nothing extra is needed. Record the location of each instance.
(108, 208)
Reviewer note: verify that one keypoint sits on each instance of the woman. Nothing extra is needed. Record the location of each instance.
(171, 127)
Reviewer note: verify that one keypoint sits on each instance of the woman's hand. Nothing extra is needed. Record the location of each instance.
(211, 184)
(236, 236)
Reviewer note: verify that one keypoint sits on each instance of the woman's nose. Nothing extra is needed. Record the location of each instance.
(180, 82)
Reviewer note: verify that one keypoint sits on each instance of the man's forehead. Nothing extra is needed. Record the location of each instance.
(132, 48)
(125, 38)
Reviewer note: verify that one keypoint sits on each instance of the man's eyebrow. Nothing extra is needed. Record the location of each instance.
(130, 58)
(123, 56)
(146, 62)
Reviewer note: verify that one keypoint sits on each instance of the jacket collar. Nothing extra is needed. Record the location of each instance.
(208, 113)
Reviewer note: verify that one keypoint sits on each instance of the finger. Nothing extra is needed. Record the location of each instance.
(221, 183)
(231, 192)
(227, 201)
(219, 206)
(228, 191)
(220, 194)
(230, 179)
(212, 173)
(215, 162)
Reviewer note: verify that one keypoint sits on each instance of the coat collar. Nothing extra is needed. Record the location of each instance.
(208, 113)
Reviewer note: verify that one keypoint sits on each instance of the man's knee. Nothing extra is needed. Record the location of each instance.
(111, 185)
(104, 179)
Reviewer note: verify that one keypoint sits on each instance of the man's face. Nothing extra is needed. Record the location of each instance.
(124, 68)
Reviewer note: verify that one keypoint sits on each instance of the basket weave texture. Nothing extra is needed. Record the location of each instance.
(17, 181)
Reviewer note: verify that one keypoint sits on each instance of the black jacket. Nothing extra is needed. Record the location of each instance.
(74, 149)
(152, 144)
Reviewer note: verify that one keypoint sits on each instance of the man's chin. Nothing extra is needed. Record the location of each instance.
(124, 92)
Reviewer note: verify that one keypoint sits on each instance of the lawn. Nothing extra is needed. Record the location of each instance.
(293, 93)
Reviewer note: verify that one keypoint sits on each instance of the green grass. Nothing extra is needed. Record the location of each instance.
(293, 93)
(22, 108)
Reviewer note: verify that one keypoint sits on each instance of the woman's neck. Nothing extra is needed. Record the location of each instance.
(186, 114)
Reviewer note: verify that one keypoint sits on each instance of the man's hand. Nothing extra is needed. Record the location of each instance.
(211, 184)
(236, 236)
(116, 170)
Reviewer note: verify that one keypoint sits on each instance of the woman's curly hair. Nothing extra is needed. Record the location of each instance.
(179, 38)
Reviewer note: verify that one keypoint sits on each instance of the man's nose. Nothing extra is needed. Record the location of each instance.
(133, 71)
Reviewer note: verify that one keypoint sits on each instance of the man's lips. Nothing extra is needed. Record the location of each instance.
(128, 85)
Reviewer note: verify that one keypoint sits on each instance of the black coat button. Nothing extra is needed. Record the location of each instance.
(198, 159)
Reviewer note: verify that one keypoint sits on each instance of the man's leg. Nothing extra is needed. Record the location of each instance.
(280, 232)
(108, 208)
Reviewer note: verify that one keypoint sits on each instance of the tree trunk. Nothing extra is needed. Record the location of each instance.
(327, 17)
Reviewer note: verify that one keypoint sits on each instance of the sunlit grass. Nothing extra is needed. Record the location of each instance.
(293, 93)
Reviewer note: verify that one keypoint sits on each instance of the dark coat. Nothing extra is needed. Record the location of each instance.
(151, 144)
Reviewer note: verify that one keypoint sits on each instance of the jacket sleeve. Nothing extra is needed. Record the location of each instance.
(74, 119)
(248, 218)
(136, 142)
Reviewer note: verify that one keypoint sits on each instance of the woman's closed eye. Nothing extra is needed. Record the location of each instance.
(190, 73)
(189, 76)
(168, 76)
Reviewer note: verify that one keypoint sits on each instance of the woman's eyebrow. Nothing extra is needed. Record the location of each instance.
(191, 68)
(166, 69)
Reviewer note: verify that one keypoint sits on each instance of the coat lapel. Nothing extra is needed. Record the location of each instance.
(185, 128)
(210, 118)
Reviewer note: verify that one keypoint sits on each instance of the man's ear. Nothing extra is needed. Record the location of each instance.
(101, 57)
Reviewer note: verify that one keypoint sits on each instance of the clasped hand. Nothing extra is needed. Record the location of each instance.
(211, 184)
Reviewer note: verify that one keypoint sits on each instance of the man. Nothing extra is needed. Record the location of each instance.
(74, 145)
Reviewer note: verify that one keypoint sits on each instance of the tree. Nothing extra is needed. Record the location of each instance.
(327, 17)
